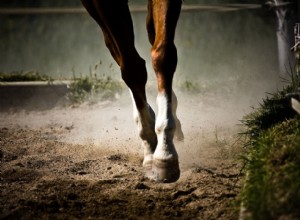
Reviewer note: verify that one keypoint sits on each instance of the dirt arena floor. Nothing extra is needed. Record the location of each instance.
(85, 163)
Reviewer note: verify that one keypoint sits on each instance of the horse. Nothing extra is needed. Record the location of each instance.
(160, 161)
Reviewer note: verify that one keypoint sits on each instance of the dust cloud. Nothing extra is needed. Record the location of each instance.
(210, 123)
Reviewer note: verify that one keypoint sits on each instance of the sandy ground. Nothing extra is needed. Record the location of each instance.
(85, 163)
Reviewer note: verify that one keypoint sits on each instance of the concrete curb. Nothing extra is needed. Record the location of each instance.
(33, 95)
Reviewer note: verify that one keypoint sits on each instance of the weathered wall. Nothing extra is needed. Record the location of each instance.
(211, 46)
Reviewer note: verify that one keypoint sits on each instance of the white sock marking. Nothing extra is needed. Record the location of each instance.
(165, 128)
(145, 120)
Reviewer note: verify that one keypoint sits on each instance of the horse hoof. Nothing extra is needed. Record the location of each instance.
(165, 171)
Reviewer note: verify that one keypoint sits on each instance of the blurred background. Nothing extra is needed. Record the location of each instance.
(233, 48)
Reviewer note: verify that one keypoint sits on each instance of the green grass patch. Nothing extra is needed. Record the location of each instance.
(194, 87)
(93, 88)
(272, 185)
(20, 76)
(272, 110)
(189, 86)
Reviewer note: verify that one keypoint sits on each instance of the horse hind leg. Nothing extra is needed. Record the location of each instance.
(144, 118)
(119, 38)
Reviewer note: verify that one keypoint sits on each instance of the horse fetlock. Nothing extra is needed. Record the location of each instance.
(165, 127)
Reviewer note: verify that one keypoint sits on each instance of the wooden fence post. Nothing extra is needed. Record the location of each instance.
(286, 11)
(296, 50)
(296, 79)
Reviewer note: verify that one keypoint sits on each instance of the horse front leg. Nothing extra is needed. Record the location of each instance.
(162, 22)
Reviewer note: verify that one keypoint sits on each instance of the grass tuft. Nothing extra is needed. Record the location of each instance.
(272, 189)
(20, 76)
(273, 110)
(272, 186)
(189, 87)
(92, 89)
